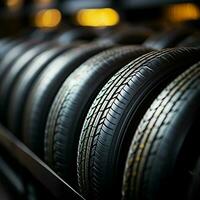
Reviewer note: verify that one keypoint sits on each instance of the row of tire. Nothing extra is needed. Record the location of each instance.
(112, 120)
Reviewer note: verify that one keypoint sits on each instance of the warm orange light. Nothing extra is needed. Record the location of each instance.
(43, 2)
(183, 12)
(48, 18)
(14, 4)
(97, 17)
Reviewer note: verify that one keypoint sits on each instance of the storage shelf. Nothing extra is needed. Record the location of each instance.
(36, 167)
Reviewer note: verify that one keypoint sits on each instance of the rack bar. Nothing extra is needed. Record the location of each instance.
(34, 165)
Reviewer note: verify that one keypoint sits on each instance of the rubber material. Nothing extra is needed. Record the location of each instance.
(72, 103)
(9, 78)
(167, 39)
(194, 193)
(191, 41)
(5, 46)
(77, 34)
(115, 114)
(23, 84)
(45, 89)
(10, 55)
(151, 171)
(126, 36)
(17, 49)
(44, 35)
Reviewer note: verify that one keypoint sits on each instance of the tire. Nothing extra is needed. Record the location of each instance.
(3, 41)
(10, 55)
(77, 34)
(17, 49)
(44, 90)
(23, 84)
(160, 153)
(44, 35)
(9, 78)
(115, 114)
(5, 46)
(194, 186)
(72, 103)
(191, 41)
(166, 39)
(127, 36)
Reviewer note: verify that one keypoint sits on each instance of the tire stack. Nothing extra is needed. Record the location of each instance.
(114, 114)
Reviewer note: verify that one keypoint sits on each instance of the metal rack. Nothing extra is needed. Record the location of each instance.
(35, 167)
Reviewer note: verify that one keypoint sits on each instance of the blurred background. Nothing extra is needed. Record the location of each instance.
(23, 16)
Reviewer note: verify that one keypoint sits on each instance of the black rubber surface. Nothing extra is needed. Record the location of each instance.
(191, 41)
(5, 45)
(77, 34)
(44, 91)
(166, 39)
(23, 84)
(115, 114)
(72, 103)
(194, 192)
(151, 168)
(45, 35)
(127, 35)
(8, 79)
(16, 50)
(8, 45)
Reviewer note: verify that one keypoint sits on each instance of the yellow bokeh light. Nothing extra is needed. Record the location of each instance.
(182, 12)
(43, 2)
(14, 4)
(97, 17)
(48, 18)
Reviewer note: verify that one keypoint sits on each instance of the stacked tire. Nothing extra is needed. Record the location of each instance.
(111, 125)
(114, 115)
